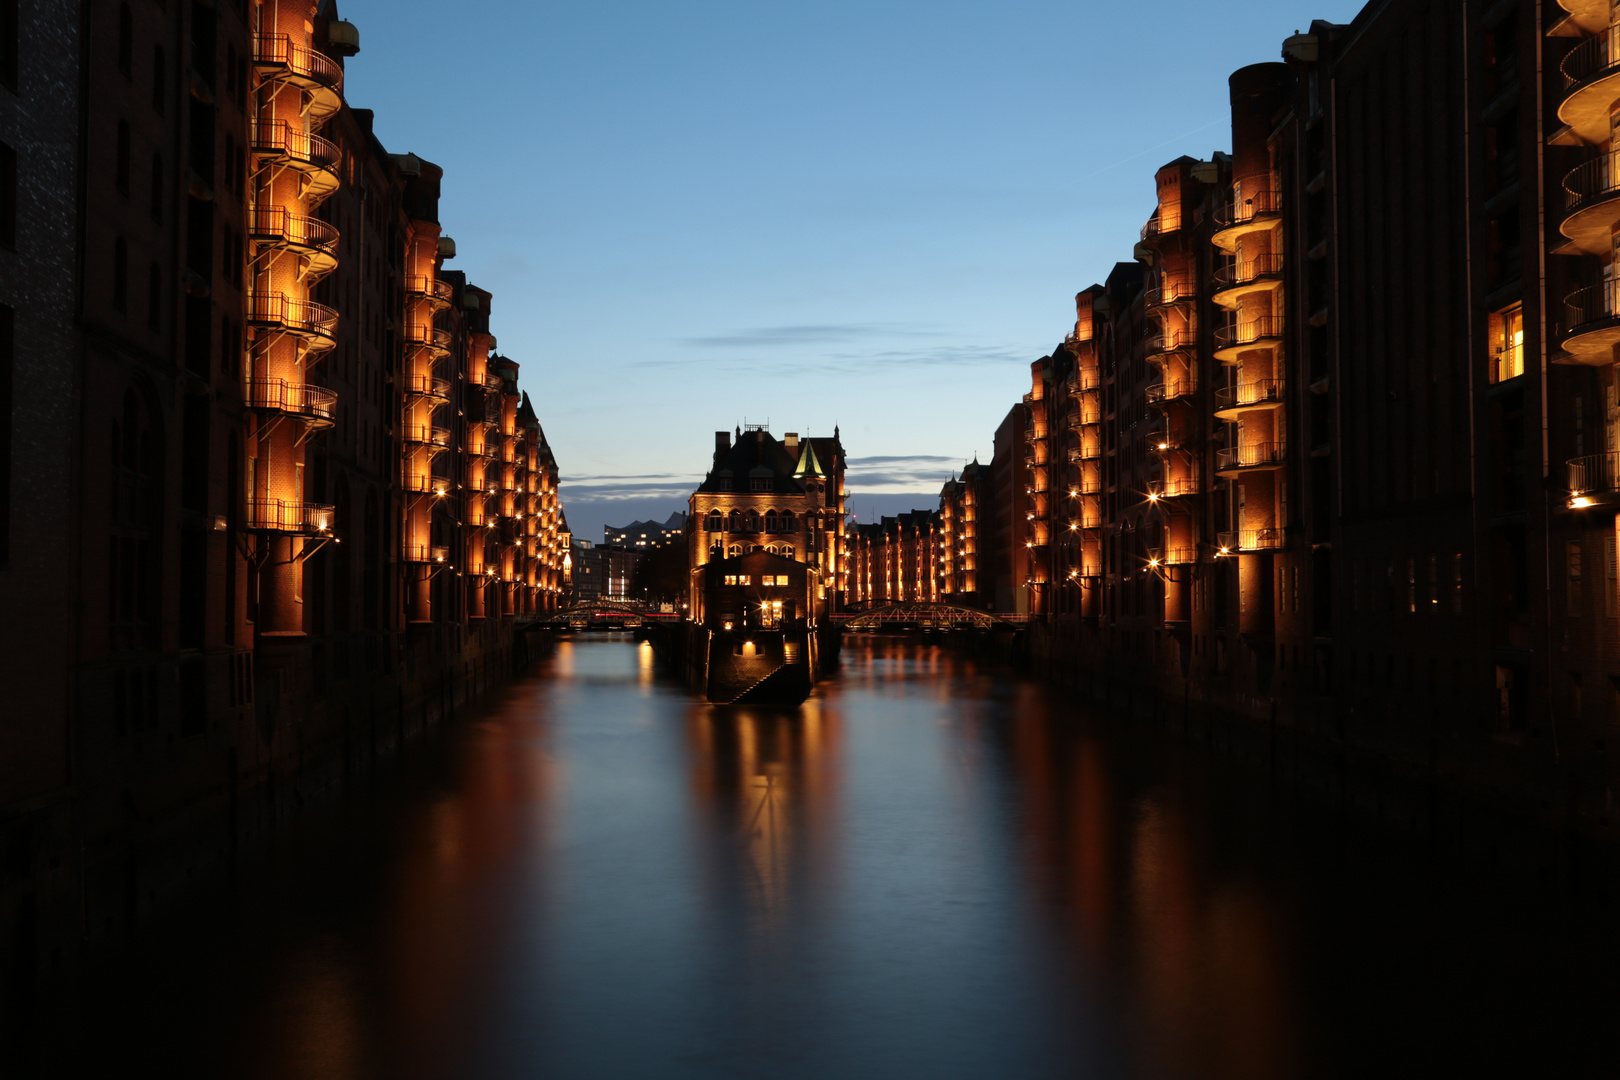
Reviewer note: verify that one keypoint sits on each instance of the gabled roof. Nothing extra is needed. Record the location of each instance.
(755, 454)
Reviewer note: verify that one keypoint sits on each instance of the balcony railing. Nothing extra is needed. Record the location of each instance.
(428, 336)
(1250, 540)
(1243, 271)
(274, 225)
(427, 386)
(1259, 392)
(276, 515)
(423, 435)
(425, 484)
(278, 51)
(1251, 455)
(296, 399)
(1161, 392)
(1593, 181)
(1594, 472)
(1086, 451)
(1590, 59)
(1179, 556)
(1240, 212)
(1083, 380)
(426, 553)
(1593, 304)
(279, 311)
(1179, 486)
(1163, 341)
(277, 138)
(431, 288)
(1248, 331)
(1170, 291)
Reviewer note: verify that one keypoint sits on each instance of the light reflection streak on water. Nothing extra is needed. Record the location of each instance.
(931, 868)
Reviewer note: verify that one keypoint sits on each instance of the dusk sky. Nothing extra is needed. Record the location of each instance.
(872, 214)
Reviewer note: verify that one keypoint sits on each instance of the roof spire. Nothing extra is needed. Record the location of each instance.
(808, 465)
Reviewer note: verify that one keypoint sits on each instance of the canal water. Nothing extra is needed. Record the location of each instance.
(933, 868)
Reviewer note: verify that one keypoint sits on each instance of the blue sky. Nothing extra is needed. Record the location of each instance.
(873, 214)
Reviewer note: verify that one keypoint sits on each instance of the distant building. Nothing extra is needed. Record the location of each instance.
(589, 571)
(897, 558)
(645, 534)
(784, 498)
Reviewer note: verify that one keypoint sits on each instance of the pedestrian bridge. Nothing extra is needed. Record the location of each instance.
(597, 615)
(923, 614)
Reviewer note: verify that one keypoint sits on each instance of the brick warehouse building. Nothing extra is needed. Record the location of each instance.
(271, 497)
(1337, 449)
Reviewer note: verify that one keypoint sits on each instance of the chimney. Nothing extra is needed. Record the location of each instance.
(722, 444)
(791, 441)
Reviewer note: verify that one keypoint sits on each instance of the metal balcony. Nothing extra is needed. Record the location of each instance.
(1169, 292)
(311, 239)
(1242, 335)
(1176, 487)
(1594, 480)
(299, 518)
(1242, 276)
(439, 293)
(1250, 540)
(1164, 393)
(1161, 342)
(427, 386)
(315, 324)
(1084, 380)
(1590, 193)
(279, 59)
(318, 160)
(1258, 210)
(426, 553)
(315, 405)
(425, 484)
(1233, 401)
(1591, 73)
(423, 435)
(1592, 316)
(1259, 455)
(424, 336)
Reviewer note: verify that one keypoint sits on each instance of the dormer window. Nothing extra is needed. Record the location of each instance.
(760, 483)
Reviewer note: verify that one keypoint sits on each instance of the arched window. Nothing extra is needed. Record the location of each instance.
(753, 521)
(787, 551)
(121, 158)
(126, 38)
(713, 523)
(772, 548)
(788, 522)
(771, 521)
(735, 551)
(736, 524)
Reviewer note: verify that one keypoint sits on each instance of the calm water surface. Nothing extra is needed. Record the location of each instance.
(930, 869)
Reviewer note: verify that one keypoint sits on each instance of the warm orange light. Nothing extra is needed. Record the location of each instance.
(1580, 502)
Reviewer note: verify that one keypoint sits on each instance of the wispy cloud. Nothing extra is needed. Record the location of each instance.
(765, 337)
(901, 473)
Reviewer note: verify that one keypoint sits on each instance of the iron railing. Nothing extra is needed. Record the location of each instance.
(1594, 472)
(1251, 455)
(278, 515)
(299, 399)
(279, 51)
(1259, 392)
(1248, 331)
(1243, 271)
(273, 224)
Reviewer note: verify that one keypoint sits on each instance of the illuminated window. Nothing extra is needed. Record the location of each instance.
(1506, 337)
